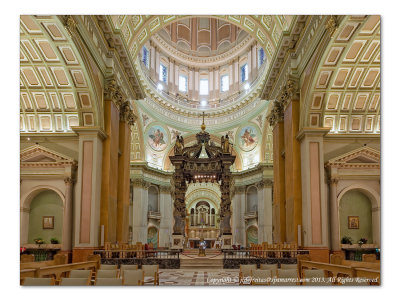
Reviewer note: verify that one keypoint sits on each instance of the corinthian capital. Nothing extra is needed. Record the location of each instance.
(276, 114)
(113, 92)
(70, 24)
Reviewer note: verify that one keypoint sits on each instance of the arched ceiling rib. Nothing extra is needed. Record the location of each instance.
(55, 92)
(346, 90)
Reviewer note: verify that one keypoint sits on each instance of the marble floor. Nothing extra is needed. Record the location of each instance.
(187, 277)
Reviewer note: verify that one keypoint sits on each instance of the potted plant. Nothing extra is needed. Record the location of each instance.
(347, 240)
(362, 241)
(38, 241)
(54, 241)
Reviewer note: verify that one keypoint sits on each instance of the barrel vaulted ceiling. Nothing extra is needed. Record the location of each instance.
(55, 93)
(346, 90)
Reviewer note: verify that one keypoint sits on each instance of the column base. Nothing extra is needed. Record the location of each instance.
(177, 241)
(226, 241)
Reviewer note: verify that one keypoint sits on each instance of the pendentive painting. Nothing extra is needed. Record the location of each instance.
(157, 138)
(248, 138)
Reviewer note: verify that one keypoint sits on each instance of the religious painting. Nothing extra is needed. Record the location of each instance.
(157, 138)
(48, 222)
(248, 138)
(354, 222)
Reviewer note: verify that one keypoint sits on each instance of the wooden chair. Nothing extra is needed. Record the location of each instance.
(25, 258)
(107, 274)
(261, 277)
(272, 267)
(288, 266)
(245, 272)
(74, 281)
(315, 278)
(150, 273)
(128, 267)
(369, 257)
(80, 274)
(132, 277)
(288, 276)
(108, 281)
(108, 267)
(33, 281)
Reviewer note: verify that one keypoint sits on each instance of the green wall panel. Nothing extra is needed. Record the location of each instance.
(355, 203)
(47, 203)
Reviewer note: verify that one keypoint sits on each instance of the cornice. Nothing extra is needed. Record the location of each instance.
(310, 131)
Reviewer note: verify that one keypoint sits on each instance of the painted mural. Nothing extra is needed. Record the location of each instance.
(152, 236)
(157, 138)
(248, 138)
(252, 235)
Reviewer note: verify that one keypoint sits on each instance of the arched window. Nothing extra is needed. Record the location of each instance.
(163, 73)
(152, 194)
(146, 57)
(261, 56)
(244, 73)
(252, 199)
(224, 83)
(183, 83)
(203, 87)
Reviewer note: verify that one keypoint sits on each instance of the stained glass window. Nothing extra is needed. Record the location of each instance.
(244, 73)
(163, 73)
(183, 82)
(261, 56)
(203, 86)
(145, 57)
(224, 83)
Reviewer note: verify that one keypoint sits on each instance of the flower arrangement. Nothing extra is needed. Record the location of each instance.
(54, 241)
(347, 240)
(362, 241)
(22, 250)
(39, 241)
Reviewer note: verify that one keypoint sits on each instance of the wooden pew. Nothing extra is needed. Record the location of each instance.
(335, 270)
(339, 260)
(59, 259)
(57, 271)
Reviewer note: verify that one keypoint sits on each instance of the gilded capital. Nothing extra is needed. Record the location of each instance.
(70, 24)
(276, 114)
(113, 92)
(331, 25)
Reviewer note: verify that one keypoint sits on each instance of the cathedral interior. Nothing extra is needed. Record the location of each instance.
(195, 148)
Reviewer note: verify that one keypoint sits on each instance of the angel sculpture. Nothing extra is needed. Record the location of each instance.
(226, 144)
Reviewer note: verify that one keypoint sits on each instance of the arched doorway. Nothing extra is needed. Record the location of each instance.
(45, 217)
(355, 215)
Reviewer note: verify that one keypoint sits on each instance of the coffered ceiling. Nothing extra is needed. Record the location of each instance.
(346, 89)
(55, 92)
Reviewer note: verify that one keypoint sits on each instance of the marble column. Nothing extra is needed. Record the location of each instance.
(139, 210)
(109, 183)
(67, 222)
(279, 216)
(315, 232)
(127, 119)
(87, 190)
(166, 210)
(264, 211)
(334, 215)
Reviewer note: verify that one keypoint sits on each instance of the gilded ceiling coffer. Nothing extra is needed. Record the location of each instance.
(202, 162)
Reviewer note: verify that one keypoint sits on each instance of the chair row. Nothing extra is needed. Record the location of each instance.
(105, 275)
(289, 274)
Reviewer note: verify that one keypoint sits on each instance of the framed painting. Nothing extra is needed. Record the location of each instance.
(354, 222)
(48, 222)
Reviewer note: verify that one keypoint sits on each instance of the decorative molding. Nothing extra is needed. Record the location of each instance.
(361, 158)
(38, 156)
(331, 25)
